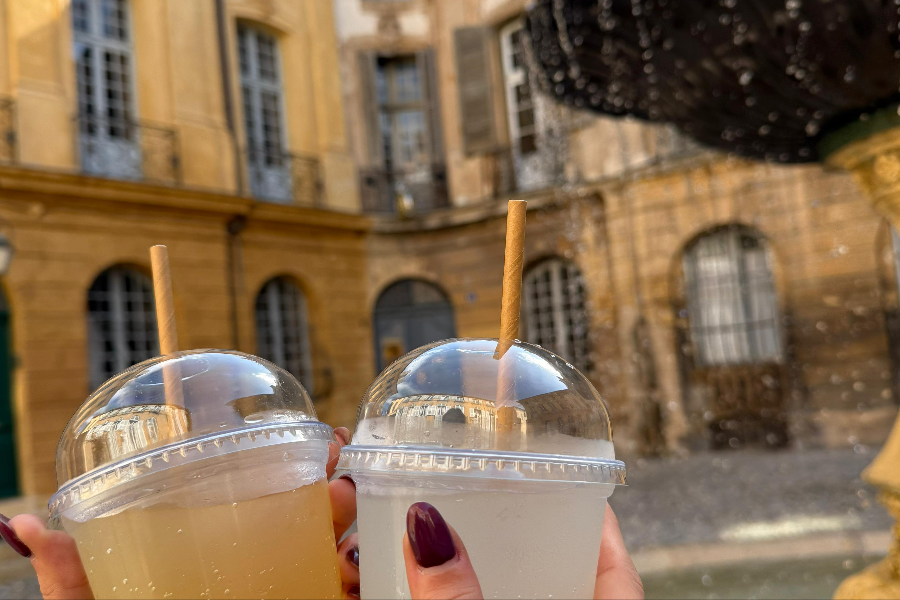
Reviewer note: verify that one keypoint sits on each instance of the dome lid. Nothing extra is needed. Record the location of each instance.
(455, 399)
(177, 409)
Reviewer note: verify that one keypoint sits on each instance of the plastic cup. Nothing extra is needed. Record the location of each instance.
(515, 453)
(199, 475)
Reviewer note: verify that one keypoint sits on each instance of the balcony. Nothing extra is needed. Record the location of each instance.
(416, 190)
(284, 177)
(125, 149)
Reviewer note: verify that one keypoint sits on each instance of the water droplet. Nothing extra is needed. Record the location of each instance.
(109, 550)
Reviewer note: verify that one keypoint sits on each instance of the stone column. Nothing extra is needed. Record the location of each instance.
(870, 150)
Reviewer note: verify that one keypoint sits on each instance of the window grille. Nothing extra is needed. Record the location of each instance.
(732, 302)
(104, 79)
(282, 329)
(262, 93)
(121, 322)
(554, 311)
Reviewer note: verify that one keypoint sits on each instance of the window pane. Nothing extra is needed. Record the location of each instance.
(121, 322)
(267, 57)
(271, 121)
(244, 50)
(81, 20)
(115, 19)
(282, 329)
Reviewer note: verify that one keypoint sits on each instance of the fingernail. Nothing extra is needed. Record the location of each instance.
(353, 555)
(10, 537)
(348, 477)
(344, 434)
(353, 592)
(429, 535)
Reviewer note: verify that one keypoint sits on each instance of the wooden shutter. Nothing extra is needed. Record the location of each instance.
(369, 99)
(427, 62)
(476, 101)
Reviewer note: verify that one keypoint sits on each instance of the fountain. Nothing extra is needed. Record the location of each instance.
(788, 81)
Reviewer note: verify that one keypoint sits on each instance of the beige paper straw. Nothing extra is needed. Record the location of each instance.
(165, 322)
(510, 309)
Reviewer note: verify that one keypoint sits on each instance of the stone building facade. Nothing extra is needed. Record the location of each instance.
(330, 177)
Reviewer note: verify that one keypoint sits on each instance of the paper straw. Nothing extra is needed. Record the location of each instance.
(165, 322)
(510, 309)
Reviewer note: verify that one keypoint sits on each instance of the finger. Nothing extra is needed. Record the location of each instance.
(616, 575)
(437, 564)
(55, 559)
(342, 493)
(348, 560)
(342, 435)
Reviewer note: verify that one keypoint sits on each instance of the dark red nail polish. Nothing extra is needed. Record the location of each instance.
(429, 535)
(9, 536)
(353, 592)
(348, 477)
(353, 555)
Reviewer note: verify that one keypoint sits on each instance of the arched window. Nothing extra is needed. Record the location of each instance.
(731, 300)
(121, 322)
(282, 329)
(409, 314)
(104, 74)
(261, 90)
(554, 315)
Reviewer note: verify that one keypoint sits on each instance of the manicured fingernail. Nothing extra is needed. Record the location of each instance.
(429, 535)
(10, 537)
(344, 434)
(348, 477)
(353, 592)
(353, 555)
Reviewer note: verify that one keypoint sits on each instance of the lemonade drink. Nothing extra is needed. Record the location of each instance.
(276, 546)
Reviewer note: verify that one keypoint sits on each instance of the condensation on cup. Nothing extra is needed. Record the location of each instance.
(199, 475)
(515, 452)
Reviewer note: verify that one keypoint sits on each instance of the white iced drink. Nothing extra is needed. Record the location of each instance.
(537, 540)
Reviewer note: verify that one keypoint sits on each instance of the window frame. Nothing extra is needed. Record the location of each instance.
(392, 107)
(747, 290)
(114, 346)
(562, 310)
(513, 76)
(272, 339)
(98, 43)
(258, 86)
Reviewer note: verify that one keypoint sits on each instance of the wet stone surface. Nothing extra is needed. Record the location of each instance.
(746, 496)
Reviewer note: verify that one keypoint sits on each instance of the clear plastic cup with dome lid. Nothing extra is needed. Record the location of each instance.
(514, 449)
(199, 475)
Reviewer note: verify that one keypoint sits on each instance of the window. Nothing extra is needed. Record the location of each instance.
(731, 300)
(103, 66)
(554, 315)
(520, 101)
(121, 322)
(282, 329)
(267, 158)
(402, 114)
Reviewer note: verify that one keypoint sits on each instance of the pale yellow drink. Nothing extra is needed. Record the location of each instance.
(273, 546)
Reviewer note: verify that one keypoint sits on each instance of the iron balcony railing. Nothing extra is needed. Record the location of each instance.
(415, 190)
(285, 177)
(125, 149)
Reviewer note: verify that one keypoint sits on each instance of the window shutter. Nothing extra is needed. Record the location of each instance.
(369, 99)
(428, 69)
(476, 102)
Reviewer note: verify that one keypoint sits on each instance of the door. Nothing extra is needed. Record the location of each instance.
(8, 479)
(410, 314)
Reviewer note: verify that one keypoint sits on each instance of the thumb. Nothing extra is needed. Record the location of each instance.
(437, 564)
(55, 559)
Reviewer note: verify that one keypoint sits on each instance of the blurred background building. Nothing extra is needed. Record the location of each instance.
(331, 179)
